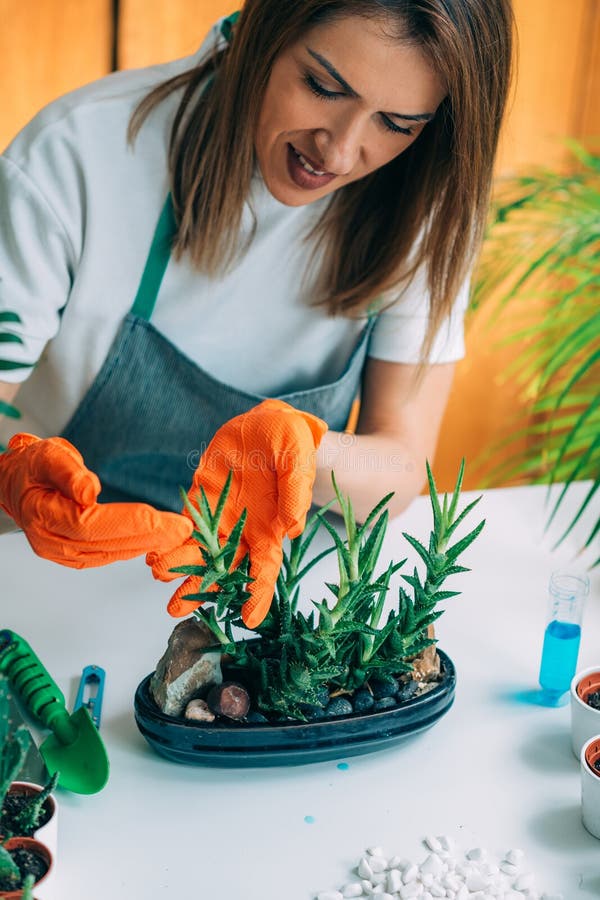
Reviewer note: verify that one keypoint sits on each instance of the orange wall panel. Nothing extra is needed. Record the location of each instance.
(154, 31)
(49, 47)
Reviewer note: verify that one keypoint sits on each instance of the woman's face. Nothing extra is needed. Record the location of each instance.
(343, 101)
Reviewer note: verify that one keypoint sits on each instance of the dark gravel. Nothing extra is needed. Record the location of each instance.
(383, 687)
(338, 707)
(407, 691)
(593, 700)
(384, 703)
(363, 701)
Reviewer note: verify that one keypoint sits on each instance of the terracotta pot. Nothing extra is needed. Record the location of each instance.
(585, 720)
(48, 833)
(40, 850)
(590, 786)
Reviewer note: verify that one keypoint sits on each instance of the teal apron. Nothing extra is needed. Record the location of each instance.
(151, 411)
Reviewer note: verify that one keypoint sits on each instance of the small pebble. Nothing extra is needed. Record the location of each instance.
(451, 882)
(379, 878)
(375, 851)
(436, 889)
(524, 882)
(364, 869)
(433, 843)
(339, 706)
(475, 881)
(255, 717)
(384, 703)
(433, 865)
(513, 895)
(410, 874)
(366, 886)
(394, 881)
(426, 896)
(408, 891)
(198, 711)
(508, 868)
(229, 699)
(398, 862)
(378, 863)
(552, 897)
(427, 879)
(515, 857)
(446, 843)
(407, 691)
(476, 853)
(329, 895)
(363, 701)
(383, 687)
(352, 889)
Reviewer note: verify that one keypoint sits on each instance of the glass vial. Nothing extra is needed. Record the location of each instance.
(567, 593)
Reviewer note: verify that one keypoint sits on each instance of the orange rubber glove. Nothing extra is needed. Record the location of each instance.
(272, 452)
(46, 488)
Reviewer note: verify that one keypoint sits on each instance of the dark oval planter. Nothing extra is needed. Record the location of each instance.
(294, 743)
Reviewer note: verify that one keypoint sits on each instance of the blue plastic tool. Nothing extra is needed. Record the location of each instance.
(91, 689)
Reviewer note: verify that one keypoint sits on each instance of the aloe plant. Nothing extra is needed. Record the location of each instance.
(543, 245)
(346, 639)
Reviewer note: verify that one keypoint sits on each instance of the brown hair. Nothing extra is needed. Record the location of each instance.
(433, 197)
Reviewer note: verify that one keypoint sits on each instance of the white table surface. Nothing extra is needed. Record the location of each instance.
(496, 771)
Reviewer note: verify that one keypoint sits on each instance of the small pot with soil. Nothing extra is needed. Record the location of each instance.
(590, 785)
(585, 707)
(30, 857)
(17, 809)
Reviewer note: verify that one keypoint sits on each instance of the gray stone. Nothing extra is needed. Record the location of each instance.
(186, 670)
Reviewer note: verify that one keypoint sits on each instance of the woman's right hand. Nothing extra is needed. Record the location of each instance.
(48, 491)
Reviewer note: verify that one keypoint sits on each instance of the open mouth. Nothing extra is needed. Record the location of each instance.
(304, 172)
(307, 165)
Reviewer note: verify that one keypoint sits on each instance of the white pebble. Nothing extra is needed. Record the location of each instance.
(451, 882)
(378, 889)
(446, 843)
(385, 896)
(410, 874)
(508, 868)
(352, 889)
(329, 895)
(489, 868)
(524, 882)
(475, 881)
(379, 878)
(366, 886)
(476, 853)
(394, 881)
(427, 879)
(433, 843)
(433, 865)
(364, 869)
(552, 897)
(462, 893)
(413, 889)
(514, 856)
(436, 890)
(375, 851)
(398, 862)
(378, 863)
(426, 896)
(513, 895)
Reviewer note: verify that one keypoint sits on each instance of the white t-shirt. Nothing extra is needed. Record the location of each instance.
(78, 212)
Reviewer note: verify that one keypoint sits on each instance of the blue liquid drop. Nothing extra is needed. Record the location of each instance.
(559, 656)
(343, 767)
(310, 820)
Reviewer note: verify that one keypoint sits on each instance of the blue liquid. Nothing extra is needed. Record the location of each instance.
(559, 656)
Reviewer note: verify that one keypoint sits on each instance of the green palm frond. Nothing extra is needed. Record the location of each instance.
(543, 247)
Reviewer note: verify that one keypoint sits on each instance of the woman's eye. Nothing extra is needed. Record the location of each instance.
(395, 128)
(319, 90)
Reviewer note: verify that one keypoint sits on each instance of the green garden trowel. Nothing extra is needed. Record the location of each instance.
(74, 749)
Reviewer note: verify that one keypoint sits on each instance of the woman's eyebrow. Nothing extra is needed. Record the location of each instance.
(419, 117)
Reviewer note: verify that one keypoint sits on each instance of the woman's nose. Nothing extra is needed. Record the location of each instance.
(341, 143)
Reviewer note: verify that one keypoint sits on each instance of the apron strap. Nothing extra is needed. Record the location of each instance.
(156, 263)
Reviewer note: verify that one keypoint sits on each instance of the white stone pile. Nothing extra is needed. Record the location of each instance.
(445, 872)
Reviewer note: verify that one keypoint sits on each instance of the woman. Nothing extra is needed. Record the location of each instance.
(320, 173)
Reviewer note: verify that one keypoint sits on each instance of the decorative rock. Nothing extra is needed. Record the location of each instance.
(524, 882)
(339, 706)
(552, 897)
(433, 865)
(431, 841)
(378, 863)
(375, 851)
(352, 889)
(398, 862)
(185, 669)
(384, 703)
(515, 857)
(363, 701)
(475, 881)
(229, 699)
(427, 879)
(383, 687)
(436, 890)
(379, 878)
(366, 886)
(256, 718)
(198, 711)
(413, 889)
(410, 874)
(508, 868)
(476, 853)
(364, 869)
(394, 881)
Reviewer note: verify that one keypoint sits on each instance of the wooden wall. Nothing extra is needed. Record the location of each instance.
(50, 46)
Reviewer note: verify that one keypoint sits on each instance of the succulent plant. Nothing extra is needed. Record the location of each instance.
(346, 639)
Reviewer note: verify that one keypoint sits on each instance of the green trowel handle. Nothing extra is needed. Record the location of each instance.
(35, 686)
